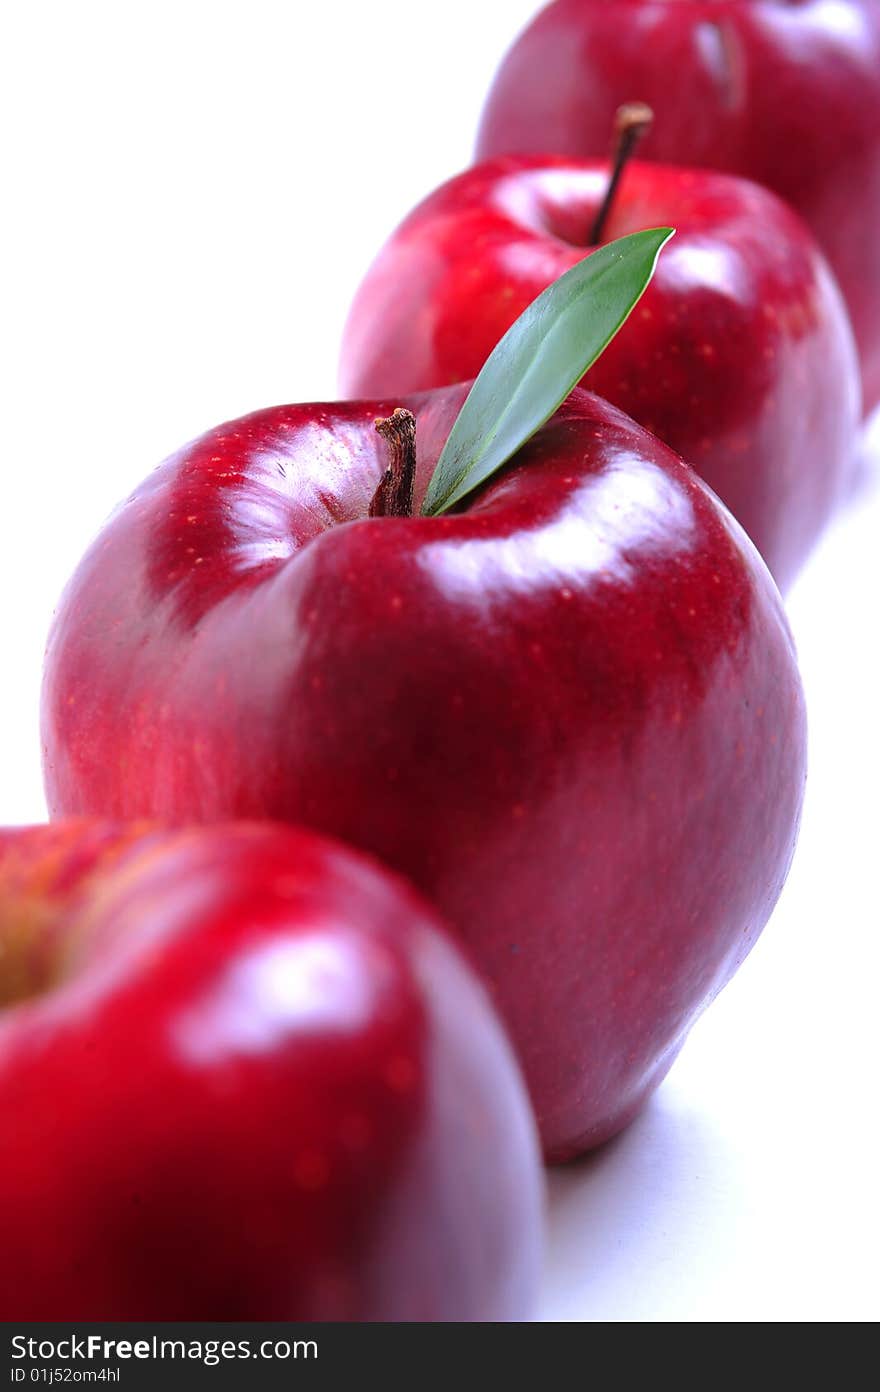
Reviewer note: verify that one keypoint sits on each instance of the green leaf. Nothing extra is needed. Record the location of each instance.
(540, 359)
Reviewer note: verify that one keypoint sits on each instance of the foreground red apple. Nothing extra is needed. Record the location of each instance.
(740, 355)
(568, 711)
(243, 1076)
(785, 92)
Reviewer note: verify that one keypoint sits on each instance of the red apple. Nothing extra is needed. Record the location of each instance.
(244, 1076)
(739, 356)
(569, 711)
(785, 92)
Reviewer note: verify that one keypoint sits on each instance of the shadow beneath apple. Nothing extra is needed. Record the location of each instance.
(633, 1219)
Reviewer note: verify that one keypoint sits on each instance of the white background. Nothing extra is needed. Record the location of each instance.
(192, 191)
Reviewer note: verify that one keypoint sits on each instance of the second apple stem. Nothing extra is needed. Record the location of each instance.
(394, 496)
(630, 124)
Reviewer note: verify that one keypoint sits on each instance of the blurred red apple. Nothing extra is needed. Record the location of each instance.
(785, 92)
(244, 1076)
(740, 355)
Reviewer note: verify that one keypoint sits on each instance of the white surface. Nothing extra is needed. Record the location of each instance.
(192, 193)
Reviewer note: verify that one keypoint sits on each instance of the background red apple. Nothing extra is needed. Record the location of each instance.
(244, 1076)
(786, 92)
(569, 711)
(739, 356)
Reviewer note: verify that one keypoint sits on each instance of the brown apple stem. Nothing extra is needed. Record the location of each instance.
(633, 119)
(394, 496)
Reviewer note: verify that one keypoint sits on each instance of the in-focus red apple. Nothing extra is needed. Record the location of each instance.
(739, 356)
(244, 1076)
(785, 92)
(569, 710)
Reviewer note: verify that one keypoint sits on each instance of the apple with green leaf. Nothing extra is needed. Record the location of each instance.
(508, 643)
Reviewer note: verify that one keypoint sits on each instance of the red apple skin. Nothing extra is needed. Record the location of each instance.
(740, 355)
(569, 712)
(785, 92)
(244, 1076)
